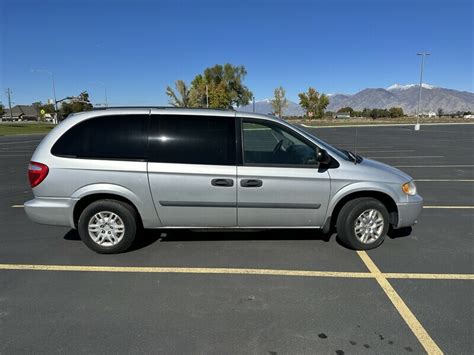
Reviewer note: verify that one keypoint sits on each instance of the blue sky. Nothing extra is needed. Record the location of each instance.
(139, 47)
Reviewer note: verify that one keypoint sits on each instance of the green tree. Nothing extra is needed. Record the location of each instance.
(220, 86)
(2, 109)
(75, 104)
(346, 109)
(395, 112)
(181, 98)
(440, 112)
(313, 103)
(279, 101)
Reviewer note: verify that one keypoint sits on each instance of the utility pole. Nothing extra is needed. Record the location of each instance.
(9, 92)
(423, 55)
(253, 104)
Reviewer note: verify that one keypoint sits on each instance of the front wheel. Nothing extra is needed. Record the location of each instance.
(108, 226)
(363, 223)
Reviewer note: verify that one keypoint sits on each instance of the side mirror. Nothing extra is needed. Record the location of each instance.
(322, 157)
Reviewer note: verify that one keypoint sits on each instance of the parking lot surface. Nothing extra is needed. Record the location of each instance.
(271, 292)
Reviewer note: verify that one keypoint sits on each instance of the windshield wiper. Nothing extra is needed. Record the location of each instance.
(352, 157)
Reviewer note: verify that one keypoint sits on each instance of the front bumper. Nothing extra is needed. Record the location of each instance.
(408, 212)
(49, 210)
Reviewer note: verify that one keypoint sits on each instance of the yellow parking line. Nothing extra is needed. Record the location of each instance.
(234, 271)
(184, 270)
(449, 207)
(396, 275)
(422, 335)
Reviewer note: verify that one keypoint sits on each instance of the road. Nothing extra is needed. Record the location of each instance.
(276, 292)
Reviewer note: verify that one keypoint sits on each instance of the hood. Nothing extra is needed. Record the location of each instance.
(384, 172)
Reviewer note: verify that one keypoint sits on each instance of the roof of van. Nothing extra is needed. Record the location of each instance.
(183, 110)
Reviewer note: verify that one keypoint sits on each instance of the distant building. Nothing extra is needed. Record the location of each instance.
(468, 116)
(343, 115)
(430, 114)
(22, 113)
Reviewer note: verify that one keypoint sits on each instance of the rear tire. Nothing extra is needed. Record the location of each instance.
(108, 226)
(362, 223)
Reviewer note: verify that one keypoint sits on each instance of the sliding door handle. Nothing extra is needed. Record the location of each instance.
(251, 183)
(222, 182)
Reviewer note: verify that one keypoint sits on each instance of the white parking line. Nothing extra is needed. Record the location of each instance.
(389, 125)
(446, 180)
(434, 166)
(409, 157)
(449, 207)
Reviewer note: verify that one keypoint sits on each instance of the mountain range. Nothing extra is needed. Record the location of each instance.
(404, 96)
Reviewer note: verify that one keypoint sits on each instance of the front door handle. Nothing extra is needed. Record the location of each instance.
(222, 182)
(251, 183)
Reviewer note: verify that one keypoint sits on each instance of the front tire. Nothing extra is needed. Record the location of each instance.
(108, 226)
(363, 223)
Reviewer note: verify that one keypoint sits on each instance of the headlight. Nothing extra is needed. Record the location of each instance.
(409, 188)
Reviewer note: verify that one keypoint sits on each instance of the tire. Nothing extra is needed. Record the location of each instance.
(112, 237)
(358, 213)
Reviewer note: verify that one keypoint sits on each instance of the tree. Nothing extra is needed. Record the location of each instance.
(313, 103)
(182, 97)
(2, 109)
(220, 86)
(279, 101)
(440, 112)
(347, 109)
(76, 104)
(396, 112)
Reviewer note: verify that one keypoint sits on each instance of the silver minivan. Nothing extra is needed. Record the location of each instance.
(112, 172)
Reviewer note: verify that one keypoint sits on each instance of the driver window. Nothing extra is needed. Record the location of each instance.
(269, 144)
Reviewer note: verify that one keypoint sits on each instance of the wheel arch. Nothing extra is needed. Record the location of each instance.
(86, 200)
(383, 197)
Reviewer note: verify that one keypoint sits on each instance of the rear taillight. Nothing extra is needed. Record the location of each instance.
(37, 172)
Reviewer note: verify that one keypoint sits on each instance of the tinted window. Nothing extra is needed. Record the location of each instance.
(271, 144)
(192, 139)
(105, 137)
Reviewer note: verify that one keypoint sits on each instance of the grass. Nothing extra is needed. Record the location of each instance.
(14, 128)
(369, 121)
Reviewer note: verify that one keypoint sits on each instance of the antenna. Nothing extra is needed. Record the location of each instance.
(355, 146)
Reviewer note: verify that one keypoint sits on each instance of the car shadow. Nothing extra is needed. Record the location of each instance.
(181, 235)
(399, 233)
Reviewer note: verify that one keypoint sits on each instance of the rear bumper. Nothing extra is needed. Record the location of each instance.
(53, 211)
(408, 212)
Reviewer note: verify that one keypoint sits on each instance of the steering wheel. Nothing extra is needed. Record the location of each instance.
(277, 147)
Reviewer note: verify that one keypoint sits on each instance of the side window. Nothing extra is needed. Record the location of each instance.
(270, 144)
(120, 137)
(184, 139)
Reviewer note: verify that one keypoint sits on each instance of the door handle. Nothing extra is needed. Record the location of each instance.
(251, 183)
(222, 182)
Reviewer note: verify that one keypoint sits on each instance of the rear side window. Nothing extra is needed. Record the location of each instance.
(120, 137)
(190, 139)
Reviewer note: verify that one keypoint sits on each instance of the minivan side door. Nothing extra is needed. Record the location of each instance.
(279, 182)
(192, 169)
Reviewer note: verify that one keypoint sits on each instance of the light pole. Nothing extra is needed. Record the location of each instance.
(54, 87)
(105, 91)
(423, 55)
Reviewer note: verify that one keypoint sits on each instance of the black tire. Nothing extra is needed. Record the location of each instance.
(126, 213)
(347, 218)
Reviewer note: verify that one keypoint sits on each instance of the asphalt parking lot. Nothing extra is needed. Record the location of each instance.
(272, 292)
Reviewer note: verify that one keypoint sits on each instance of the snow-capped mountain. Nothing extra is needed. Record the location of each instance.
(397, 95)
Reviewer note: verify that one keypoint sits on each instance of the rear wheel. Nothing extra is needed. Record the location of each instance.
(108, 226)
(363, 223)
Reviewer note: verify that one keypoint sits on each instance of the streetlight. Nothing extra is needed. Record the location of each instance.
(54, 87)
(105, 90)
(423, 55)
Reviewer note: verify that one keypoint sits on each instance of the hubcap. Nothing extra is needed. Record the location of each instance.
(106, 228)
(368, 227)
